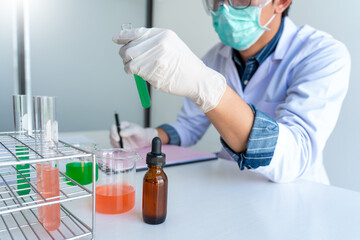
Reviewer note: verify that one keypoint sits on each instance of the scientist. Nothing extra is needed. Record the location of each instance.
(271, 89)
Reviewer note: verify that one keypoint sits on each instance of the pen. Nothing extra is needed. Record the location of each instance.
(118, 129)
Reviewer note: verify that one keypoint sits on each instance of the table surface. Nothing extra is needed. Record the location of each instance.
(215, 200)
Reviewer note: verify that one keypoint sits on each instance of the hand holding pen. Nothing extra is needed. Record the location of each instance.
(133, 135)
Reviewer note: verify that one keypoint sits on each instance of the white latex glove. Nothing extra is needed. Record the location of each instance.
(160, 57)
(133, 135)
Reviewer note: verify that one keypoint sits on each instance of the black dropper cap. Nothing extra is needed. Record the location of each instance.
(155, 157)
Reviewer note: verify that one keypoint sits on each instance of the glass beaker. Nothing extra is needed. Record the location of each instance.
(80, 169)
(115, 190)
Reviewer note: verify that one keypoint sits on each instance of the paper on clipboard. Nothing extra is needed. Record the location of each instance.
(175, 155)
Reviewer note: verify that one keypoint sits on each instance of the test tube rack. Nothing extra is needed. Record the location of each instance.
(19, 212)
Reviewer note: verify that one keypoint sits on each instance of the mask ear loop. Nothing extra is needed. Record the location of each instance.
(267, 24)
(270, 20)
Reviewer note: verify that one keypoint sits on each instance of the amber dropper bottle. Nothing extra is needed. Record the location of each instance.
(155, 186)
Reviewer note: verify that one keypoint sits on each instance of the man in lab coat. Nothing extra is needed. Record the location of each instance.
(272, 90)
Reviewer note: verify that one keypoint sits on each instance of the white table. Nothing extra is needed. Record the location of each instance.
(215, 200)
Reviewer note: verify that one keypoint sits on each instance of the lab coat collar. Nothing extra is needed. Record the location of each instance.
(289, 31)
(225, 51)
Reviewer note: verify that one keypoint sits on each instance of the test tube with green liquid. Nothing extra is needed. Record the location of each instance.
(21, 124)
(140, 83)
(22, 185)
(143, 91)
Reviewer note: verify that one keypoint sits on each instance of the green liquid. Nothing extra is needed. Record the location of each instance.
(143, 91)
(81, 172)
(24, 170)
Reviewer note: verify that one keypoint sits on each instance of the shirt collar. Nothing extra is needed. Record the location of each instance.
(271, 46)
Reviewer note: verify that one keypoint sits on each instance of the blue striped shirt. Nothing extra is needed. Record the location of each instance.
(261, 144)
(265, 131)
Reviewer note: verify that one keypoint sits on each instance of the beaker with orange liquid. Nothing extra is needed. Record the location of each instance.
(115, 189)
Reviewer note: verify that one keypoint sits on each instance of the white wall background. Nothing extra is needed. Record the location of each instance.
(73, 58)
(6, 66)
(189, 20)
(341, 158)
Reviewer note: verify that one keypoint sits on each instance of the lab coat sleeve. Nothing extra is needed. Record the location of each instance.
(316, 91)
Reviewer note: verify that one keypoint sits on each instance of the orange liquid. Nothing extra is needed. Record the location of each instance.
(50, 188)
(116, 198)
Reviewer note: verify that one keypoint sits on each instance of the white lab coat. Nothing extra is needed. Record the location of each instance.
(301, 85)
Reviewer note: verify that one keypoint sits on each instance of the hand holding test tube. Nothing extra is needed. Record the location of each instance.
(140, 83)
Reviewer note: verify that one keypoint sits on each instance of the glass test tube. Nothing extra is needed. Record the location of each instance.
(21, 126)
(45, 123)
(50, 189)
(46, 129)
(22, 121)
(38, 146)
(140, 83)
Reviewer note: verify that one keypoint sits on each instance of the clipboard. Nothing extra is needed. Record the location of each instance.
(175, 155)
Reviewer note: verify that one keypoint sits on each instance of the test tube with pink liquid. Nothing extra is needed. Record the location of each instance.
(46, 135)
(49, 215)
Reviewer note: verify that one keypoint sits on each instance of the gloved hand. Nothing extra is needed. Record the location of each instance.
(160, 57)
(133, 135)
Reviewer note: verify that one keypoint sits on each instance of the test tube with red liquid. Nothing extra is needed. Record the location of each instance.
(49, 188)
(47, 173)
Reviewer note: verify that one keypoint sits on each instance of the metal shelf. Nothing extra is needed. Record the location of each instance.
(35, 152)
(12, 201)
(19, 197)
(26, 225)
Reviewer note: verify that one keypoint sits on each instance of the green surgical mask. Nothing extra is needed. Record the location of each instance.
(239, 28)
